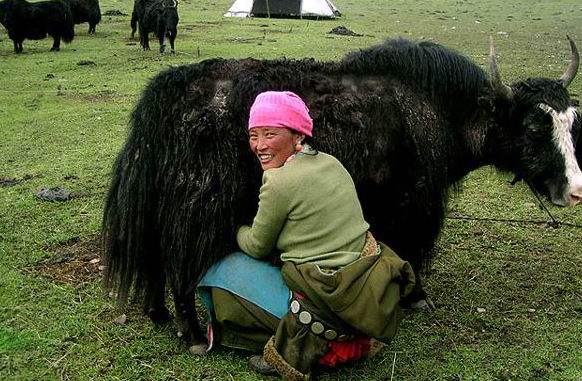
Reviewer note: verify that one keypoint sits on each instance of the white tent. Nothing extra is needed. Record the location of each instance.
(283, 8)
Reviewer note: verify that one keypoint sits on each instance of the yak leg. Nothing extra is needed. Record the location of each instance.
(413, 240)
(17, 40)
(143, 37)
(17, 47)
(156, 308)
(92, 28)
(417, 233)
(162, 38)
(172, 38)
(418, 298)
(145, 41)
(187, 318)
(412, 237)
(56, 43)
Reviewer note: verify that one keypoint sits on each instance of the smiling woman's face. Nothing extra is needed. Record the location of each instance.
(273, 145)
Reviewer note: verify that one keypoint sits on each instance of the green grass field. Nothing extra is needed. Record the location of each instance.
(508, 293)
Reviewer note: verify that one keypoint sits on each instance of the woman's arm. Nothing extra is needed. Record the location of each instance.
(259, 240)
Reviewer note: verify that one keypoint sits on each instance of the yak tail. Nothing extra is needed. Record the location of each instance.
(98, 16)
(68, 26)
(131, 229)
(129, 232)
(133, 22)
(69, 33)
(169, 214)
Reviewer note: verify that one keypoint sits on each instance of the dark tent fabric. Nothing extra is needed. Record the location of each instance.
(317, 9)
(268, 8)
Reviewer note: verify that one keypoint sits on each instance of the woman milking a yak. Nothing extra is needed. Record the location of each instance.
(345, 286)
(408, 121)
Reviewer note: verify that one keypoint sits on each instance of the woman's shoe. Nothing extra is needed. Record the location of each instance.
(259, 365)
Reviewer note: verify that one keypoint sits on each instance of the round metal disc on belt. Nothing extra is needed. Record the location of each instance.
(317, 328)
(295, 307)
(330, 334)
(305, 317)
(343, 337)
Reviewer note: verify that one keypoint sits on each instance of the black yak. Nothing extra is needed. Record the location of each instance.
(86, 11)
(158, 16)
(35, 20)
(408, 120)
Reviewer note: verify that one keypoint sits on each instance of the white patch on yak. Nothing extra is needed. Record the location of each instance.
(562, 135)
(222, 88)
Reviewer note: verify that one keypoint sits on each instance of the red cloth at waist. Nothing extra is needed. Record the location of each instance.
(342, 352)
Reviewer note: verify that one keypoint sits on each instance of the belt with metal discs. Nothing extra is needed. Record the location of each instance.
(316, 325)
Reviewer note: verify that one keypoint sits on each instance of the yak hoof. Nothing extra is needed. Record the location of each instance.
(423, 305)
(54, 49)
(162, 48)
(173, 52)
(198, 349)
(159, 316)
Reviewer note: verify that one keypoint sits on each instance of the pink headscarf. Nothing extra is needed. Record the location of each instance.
(281, 109)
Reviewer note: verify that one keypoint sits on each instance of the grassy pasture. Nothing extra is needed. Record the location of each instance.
(509, 294)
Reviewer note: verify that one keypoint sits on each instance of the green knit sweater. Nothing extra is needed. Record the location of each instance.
(309, 211)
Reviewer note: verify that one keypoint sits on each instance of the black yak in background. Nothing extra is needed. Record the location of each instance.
(408, 121)
(86, 11)
(158, 16)
(35, 20)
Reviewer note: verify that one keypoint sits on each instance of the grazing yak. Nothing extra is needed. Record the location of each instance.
(35, 20)
(86, 11)
(408, 120)
(158, 16)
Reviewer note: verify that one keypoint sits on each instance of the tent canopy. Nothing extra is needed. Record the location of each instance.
(283, 8)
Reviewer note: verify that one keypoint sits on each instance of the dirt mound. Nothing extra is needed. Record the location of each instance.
(114, 12)
(343, 31)
(53, 194)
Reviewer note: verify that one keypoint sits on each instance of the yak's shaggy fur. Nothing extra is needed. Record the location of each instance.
(86, 11)
(407, 120)
(35, 20)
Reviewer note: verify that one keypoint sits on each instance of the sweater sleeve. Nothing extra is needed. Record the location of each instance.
(259, 240)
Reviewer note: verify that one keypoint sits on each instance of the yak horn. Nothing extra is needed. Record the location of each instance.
(572, 69)
(500, 88)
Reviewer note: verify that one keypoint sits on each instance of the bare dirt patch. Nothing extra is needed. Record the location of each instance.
(105, 95)
(11, 181)
(76, 262)
(8, 182)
